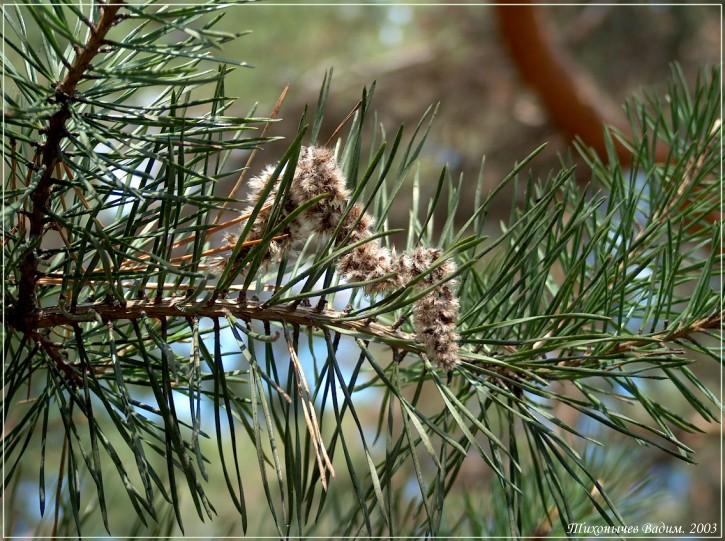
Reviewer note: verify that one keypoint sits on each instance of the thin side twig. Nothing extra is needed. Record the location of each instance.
(308, 409)
(252, 154)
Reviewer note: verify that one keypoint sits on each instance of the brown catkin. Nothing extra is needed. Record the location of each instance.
(434, 315)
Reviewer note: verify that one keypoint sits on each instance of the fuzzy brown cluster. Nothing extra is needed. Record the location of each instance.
(434, 315)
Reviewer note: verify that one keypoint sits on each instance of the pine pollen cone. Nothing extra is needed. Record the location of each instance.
(317, 173)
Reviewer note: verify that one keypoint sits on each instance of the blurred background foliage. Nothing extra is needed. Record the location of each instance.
(453, 54)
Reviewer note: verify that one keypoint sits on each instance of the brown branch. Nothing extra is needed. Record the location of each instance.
(314, 317)
(83, 58)
(622, 347)
(180, 307)
(25, 313)
(713, 321)
(572, 99)
(55, 352)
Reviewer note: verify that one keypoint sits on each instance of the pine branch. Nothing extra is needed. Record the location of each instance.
(641, 346)
(24, 316)
(682, 332)
(292, 314)
(553, 316)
